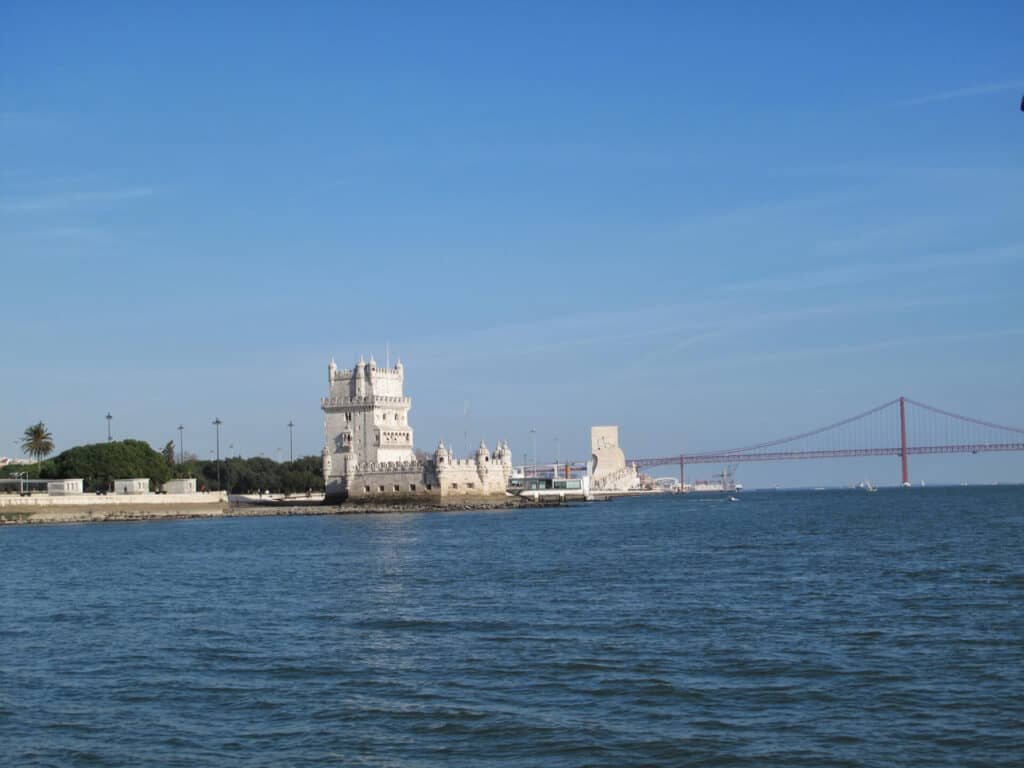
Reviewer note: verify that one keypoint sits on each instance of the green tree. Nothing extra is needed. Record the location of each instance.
(240, 475)
(101, 463)
(37, 443)
(168, 453)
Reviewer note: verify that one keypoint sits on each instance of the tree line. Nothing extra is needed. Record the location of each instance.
(99, 464)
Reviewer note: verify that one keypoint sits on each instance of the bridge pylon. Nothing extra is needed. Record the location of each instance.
(903, 441)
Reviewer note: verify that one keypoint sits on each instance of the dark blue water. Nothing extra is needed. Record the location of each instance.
(785, 629)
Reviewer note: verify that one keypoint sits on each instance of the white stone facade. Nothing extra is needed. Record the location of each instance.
(607, 467)
(484, 474)
(368, 451)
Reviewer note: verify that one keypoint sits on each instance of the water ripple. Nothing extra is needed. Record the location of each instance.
(793, 630)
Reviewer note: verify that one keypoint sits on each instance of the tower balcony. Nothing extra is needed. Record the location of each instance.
(369, 401)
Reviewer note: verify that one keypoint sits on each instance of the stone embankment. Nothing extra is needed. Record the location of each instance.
(293, 507)
(88, 508)
(97, 509)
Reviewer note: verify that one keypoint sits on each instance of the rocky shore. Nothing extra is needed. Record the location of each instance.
(108, 509)
(287, 507)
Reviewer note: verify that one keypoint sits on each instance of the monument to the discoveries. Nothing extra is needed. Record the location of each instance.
(608, 469)
(368, 455)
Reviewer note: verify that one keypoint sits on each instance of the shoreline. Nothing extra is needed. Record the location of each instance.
(42, 511)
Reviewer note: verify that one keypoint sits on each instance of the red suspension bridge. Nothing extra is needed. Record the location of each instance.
(900, 427)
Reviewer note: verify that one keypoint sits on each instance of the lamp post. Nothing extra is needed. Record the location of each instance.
(533, 434)
(291, 450)
(181, 442)
(109, 418)
(217, 422)
(558, 453)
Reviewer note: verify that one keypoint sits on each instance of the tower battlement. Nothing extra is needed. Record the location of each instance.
(365, 379)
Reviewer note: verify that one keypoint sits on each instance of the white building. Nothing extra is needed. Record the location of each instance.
(182, 485)
(5, 461)
(368, 452)
(71, 487)
(132, 486)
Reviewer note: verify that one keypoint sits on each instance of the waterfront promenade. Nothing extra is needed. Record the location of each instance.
(86, 508)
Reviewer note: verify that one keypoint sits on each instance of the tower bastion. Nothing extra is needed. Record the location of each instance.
(368, 446)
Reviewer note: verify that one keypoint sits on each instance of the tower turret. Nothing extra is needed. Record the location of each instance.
(360, 378)
(482, 454)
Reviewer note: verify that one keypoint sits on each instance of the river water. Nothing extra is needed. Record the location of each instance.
(789, 629)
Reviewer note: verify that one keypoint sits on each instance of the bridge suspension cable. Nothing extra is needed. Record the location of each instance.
(901, 427)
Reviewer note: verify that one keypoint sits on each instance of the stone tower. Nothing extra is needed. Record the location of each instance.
(366, 419)
(368, 453)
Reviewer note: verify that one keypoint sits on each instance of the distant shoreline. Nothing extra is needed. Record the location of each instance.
(110, 509)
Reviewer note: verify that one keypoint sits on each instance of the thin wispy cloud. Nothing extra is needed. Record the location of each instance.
(73, 199)
(866, 171)
(846, 350)
(962, 93)
(82, 234)
(652, 333)
(867, 272)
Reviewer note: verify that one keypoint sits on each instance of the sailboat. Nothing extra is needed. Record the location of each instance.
(867, 486)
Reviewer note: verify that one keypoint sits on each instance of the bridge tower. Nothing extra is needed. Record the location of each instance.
(903, 441)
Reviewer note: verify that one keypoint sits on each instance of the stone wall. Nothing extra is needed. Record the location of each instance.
(470, 477)
(92, 508)
(388, 482)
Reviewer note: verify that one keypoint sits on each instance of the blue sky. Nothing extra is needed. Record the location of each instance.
(711, 224)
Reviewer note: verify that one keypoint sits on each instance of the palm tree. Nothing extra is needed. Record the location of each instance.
(37, 443)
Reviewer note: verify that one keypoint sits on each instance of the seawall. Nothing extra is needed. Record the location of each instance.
(87, 508)
(15, 510)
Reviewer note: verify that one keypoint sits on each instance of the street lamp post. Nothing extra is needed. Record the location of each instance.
(181, 442)
(291, 450)
(558, 455)
(217, 422)
(533, 434)
(109, 418)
